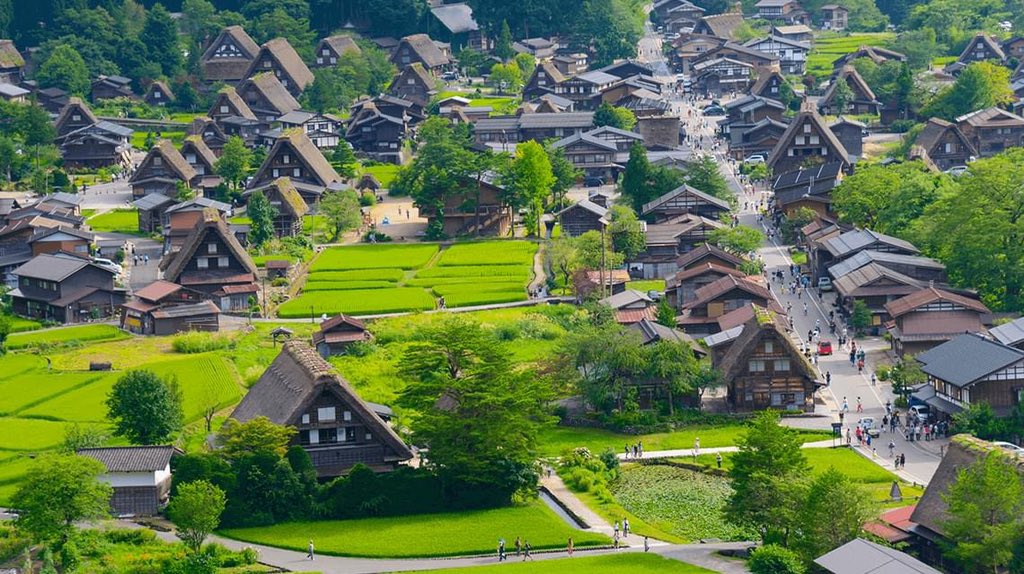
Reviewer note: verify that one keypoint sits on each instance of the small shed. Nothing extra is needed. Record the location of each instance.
(337, 333)
(367, 182)
(140, 475)
(277, 268)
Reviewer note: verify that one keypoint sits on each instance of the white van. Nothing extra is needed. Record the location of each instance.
(824, 283)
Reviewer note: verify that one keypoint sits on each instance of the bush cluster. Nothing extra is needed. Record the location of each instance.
(200, 342)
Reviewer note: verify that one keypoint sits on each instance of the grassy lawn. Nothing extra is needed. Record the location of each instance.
(448, 534)
(139, 138)
(942, 61)
(385, 173)
(799, 257)
(645, 286)
(80, 333)
(828, 48)
(555, 441)
(116, 221)
(631, 563)
(20, 324)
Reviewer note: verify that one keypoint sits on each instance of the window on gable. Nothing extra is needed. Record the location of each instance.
(756, 366)
(211, 247)
(325, 414)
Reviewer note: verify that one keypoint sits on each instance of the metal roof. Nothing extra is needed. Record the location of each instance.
(132, 458)
(865, 557)
(968, 358)
(52, 267)
(561, 120)
(598, 77)
(867, 256)
(152, 201)
(1010, 333)
(858, 239)
(723, 336)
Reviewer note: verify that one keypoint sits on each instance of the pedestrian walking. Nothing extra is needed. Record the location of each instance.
(892, 448)
(526, 551)
(718, 460)
(805, 308)
(860, 406)
(846, 405)
(309, 552)
(616, 529)
(647, 544)
(696, 446)
(828, 378)
(625, 527)
(569, 547)
(519, 546)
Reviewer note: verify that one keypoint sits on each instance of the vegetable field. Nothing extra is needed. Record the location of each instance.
(375, 279)
(686, 503)
(827, 50)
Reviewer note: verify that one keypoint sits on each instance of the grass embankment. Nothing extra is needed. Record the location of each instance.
(428, 535)
(829, 48)
(374, 279)
(631, 563)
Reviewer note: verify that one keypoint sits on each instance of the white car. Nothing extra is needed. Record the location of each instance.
(108, 264)
(867, 424)
(754, 159)
(921, 411)
(1009, 447)
(824, 283)
(957, 170)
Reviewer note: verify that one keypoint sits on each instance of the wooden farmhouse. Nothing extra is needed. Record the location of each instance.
(162, 171)
(808, 141)
(228, 104)
(414, 83)
(139, 475)
(294, 156)
(929, 317)
(65, 289)
(338, 333)
(992, 130)
(210, 133)
(267, 96)
(165, 308)
(335, 425)
(289, 205)
(764, 368)
(203, 161)
(994, 375)
(280, 59)
(329, 50)
(665, 242)
(213, 262)
(583, 216)
(712, 301)
(943, 145)
(862, 102)
(981, 48)
(682, 287)
(420, 49)
(158, 94)
(474, 212)
(544, 80)
(229, 56)
(684, 200)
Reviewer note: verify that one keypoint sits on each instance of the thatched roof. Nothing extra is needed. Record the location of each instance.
(172, 159)
(294, 380)
(74, 105)
(230, 97)
(217, 66)
(425, 50)
(195, 144)
(808, 116)
(291, 201)
(9, 55)
(287, 60)
(339, 45)
(211, 222)
(764, 324)
(306, 152)
(269, 89)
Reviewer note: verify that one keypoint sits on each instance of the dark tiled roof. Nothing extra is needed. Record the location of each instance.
(904, 305)
(52, 267)
(132, 458)
(968, 358)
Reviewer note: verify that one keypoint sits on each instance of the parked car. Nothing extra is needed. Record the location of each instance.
(754, 159)
(922, 412)
(1009, 447)
(957, 170)
(593, 181)
(450, 76)
(867, 424)
(714, 110)
(108, 264)
(824, 283)
(824, 347)
(654, 295)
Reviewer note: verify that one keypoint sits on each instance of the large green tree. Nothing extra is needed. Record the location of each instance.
(342, 212)
(844, 502)
(160, 36)
(980, 85)
(888, 199)
(740, 240)
(613, 116)
(64, 69)
(476, 412)
(262, 215)
(977, 230)
(144, 408)
(767, 479)
(986, 513)
(528, 181)
(233, 163)
(703, 174)
(626, 231)
(59, 491)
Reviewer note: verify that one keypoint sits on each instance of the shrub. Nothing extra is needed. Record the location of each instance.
(773, 559)
(200, 342)
(279, 282)
(12, 543)
(135, 537)
(902, 126)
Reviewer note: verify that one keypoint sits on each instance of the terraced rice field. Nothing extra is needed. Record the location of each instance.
(377, 279)
(828, 49)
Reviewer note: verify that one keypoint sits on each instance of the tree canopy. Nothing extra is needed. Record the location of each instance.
(59, 491)
(144, 408)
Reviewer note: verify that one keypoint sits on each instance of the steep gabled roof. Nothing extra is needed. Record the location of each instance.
(195, 144)
(807, 114)
(933, 131)
(848, 74)
(727, 283)
(240, 39)
(75, 104)
(9, 55)
(287, 59)
(307, 153)
(415, 72)
(988, 41)
(721, 25)
(296, 377)
(341, 43)
(764, 76)
(876, 54)
(765, 323)
(172, 159)
(164, 89)
(550, 71)
(291, 201)
(231, 97)
(211, 222)
(425, 49)
(272, 90)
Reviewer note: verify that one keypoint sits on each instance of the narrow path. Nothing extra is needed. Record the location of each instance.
(594, 522)
(689, 452)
